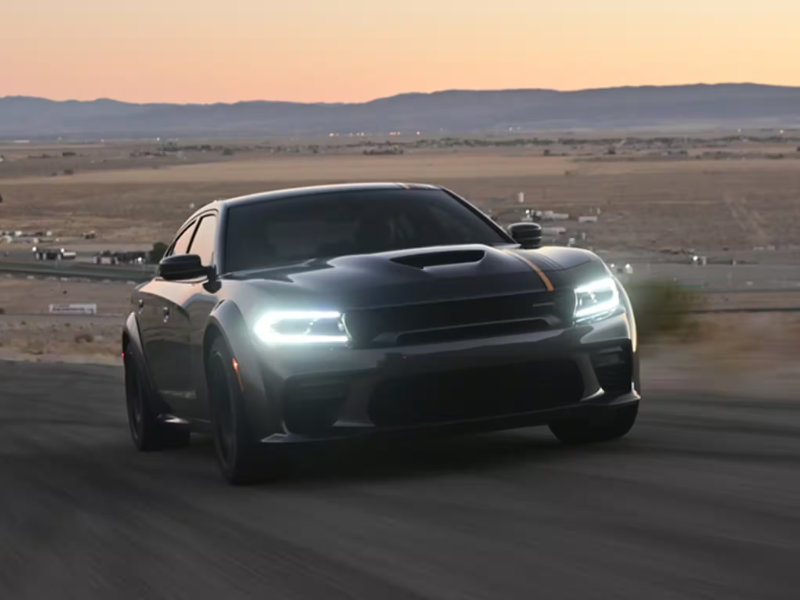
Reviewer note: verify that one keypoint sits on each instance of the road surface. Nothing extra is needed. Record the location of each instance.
(701, 501)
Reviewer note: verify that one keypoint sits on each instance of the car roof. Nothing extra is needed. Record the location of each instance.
(312, 191)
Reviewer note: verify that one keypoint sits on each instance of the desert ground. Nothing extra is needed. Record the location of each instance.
(735, 195)
(658, 197)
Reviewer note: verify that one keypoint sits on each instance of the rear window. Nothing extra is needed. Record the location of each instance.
(291, 230)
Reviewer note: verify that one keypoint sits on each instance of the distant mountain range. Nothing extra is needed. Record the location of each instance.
(684, 107)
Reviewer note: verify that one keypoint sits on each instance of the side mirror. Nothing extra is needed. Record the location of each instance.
(183, 266)
(527, 235)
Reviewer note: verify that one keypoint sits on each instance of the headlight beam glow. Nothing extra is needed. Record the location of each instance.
(303, 324)
(596, 299)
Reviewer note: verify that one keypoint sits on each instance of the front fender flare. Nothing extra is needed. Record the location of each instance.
(260, 408)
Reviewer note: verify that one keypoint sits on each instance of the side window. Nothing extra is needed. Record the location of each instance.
(181, 243)
(203, 242)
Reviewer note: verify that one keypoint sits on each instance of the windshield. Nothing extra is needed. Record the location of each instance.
(280, 232)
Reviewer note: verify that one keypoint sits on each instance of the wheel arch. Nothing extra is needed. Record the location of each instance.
(133, 345)
(226, 321)
(212, 332)
(132, 341)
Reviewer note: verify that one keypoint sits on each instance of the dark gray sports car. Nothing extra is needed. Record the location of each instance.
(350, 311)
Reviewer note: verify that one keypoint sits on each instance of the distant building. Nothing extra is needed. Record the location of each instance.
(53, 254)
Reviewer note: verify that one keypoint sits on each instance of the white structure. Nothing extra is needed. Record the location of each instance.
(553, 230)
(74, 309)
(587, 219)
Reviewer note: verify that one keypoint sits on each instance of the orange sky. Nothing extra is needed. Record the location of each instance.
(355, 50)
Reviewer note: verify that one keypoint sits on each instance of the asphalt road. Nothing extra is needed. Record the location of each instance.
(702, 500)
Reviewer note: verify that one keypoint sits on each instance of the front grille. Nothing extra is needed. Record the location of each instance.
(475, 393)
(471, 332)
(459, 319)
(613, 368)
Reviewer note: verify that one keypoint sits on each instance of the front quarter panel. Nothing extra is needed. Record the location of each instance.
(571, 267)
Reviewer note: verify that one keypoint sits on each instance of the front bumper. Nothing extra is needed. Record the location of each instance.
(484, 384)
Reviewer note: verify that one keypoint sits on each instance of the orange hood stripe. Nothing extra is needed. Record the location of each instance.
(545, 279)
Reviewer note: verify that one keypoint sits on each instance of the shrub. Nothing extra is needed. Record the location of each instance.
(35, 347)
(661, 308)
(84, 338)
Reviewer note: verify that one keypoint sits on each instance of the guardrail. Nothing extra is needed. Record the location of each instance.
(77, 270)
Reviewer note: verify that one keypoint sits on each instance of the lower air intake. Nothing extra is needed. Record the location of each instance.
(475, 393)
(614, 370)
(313, 404)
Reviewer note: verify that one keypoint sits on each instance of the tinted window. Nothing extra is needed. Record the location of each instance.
(279, 232)
(181, 243)
(204, 239)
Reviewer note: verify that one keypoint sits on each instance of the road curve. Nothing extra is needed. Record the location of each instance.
(702, 500)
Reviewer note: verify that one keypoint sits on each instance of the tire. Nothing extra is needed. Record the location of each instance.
(612, 424)
(240, 459)
(147, 431)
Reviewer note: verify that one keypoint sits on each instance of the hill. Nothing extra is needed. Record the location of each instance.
(685, 107)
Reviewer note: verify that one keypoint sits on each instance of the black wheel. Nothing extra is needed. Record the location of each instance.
(610, 425)
(147, 432)
(240, 460)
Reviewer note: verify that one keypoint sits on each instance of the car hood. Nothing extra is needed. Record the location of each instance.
(414, 276)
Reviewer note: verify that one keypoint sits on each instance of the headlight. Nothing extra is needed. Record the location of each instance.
(301, 327)
(596, 299)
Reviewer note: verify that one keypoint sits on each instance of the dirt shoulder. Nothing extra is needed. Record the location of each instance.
(29, 332)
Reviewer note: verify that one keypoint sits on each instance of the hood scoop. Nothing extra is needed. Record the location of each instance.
(437, 259)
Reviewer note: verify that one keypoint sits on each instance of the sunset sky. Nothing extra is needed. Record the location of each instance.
(356, 50)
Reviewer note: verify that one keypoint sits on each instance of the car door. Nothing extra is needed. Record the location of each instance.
(161, 337)
(185, 305)
(195, 309)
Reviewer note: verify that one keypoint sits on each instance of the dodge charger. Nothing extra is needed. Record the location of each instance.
(327, 313)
